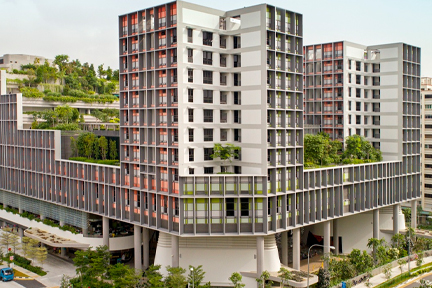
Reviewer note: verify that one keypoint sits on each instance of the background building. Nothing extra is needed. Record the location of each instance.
(15, 61)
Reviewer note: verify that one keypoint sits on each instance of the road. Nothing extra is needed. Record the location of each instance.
(417, 283)
(28, 284)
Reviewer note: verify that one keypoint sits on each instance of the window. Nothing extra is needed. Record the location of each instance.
(191, 135)
(208, 116)
(190, 95)
(208, 170)
(237, 98)
(237, 116)
(358, 79)
(244, 207)
(358, 64)
(207, 77)
(191, 171)
(191, 115)
(223, 116)
(349, 91)
(191, 155)
(358, 119)
(190, 55)
(358, 106)
(207, 154)
(207, 57)
(237, 169)
(189, 35)
(358, 92)
(207, 38)
(349, 64)
(349, 119)
(237, 41)
(223, 98)
(237, 62)
(208, 135)
(358, 131)
(190, 75)
(349, 106)
(223, 135)
(230, 212)
(237, 135)
(208, 96)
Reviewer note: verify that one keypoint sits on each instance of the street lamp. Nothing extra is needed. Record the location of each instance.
(318, 245)
(193, 280)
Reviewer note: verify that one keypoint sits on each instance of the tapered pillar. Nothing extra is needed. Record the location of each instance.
(146, 243)
(296, 248)
(20, 232)
(260, 255)
(105, 231)
(414, 214)
(284, 246)
(137, 247)
(327, 243)
(396, 209)
(335, 237)
(175, 251)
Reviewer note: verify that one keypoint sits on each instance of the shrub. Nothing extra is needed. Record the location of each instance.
(31, 92)
(67, 127)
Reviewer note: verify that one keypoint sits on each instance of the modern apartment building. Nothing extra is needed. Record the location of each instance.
(193, 76)
(426, 83)
(426, 149)
(355, 89)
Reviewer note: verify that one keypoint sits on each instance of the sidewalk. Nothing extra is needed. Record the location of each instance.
(380, 278)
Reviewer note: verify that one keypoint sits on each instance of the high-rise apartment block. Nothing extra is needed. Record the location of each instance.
(191, 77)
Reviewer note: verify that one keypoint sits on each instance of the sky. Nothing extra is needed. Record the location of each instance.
(88, 30)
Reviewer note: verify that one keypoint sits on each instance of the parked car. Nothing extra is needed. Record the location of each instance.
(6, 274)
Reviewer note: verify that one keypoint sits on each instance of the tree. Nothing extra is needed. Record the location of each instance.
(74, 147)
(362, 261)
(285, 275)
(65, 281)
(123, 276)
(91, 266)
(236, 279)
(265, 275)
(103, 146)
(401, 262)
(6, 238)
(374, 243)
(320, 150)
(225, 153)
(14, 242)
(196, 275)
(41, 255)
(387, 271)
(341, 269)
(419, 260)
(31, 249)
(398, 241)
(113, 149)
(175, 277)
(153, 278)
(323, 278)
(96, 149)
(85, 144)
(357, 147)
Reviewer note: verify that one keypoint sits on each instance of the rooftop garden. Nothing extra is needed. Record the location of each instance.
(90, 148)
(67, 81)
(320, 151)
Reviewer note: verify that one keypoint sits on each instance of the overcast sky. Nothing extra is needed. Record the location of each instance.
(88, 30)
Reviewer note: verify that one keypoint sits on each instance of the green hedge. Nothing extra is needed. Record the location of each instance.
(31, 92)
(105, 162)
(26, 264)
(404, 276)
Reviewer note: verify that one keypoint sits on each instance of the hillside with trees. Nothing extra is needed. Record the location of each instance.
(68, 80)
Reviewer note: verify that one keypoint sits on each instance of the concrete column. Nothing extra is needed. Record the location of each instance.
(396, 209)
(146, 241)
(175, 251)
(63, 252)
(296, 248)
(326, 242)
(62, 222)
(20, 210)
(376, 229)
(137, 247)
(105, 231)
(42, 217)
(20, 232)
(260, 255)
(284, 244)
(414, 214)
(335, 237)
